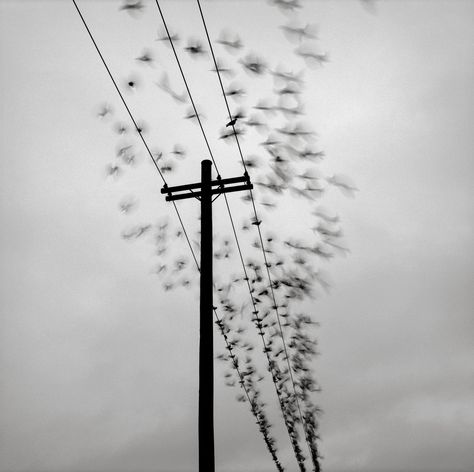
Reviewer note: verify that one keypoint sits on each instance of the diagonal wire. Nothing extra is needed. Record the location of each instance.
(227, 204)
(119, 92)
(186, 84)
(229, 347)
(136, 126)
(257, 221)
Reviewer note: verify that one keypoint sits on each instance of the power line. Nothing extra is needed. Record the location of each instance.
(258, 414)
(266, 350)
(135, 124)
(258, 225)
(119, 92)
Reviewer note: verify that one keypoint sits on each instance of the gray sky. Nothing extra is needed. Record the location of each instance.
(99, 364)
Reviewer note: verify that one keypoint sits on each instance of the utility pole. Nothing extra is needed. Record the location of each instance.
(208, 188)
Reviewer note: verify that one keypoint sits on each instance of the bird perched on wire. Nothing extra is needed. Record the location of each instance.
(237, 116)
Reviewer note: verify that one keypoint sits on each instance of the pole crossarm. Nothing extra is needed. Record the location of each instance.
(219, 183)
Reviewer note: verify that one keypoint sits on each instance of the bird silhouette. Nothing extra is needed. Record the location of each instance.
(132, 6)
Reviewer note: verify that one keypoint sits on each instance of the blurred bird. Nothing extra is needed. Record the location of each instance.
(254, 121)
(231, 42)
(234, 91)
(132, 7)
(195, 48)
(127, 204)
(226, 134)
(146, 57)
(287, 77)
(265, 106)
(222, 69)
(166, 166)
(179, 151)
(344, 183)
(254, 64)
(286, 5)
(311, 56)
(113, 170)
(295, 32)
(120, 128)
(105, 110)
(163, 36)
(324, 213)
(191, 114)
(164, 85)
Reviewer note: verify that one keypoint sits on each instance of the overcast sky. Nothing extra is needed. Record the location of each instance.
(98, 364)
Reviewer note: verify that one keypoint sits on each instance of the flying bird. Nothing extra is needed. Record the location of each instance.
(231, 42)
(222, 69)
(146, 57)
(132, 7)
(254, 64)
(195, 48)
(164, 84)
(105, 110)
(295, 32)
(163, 36)
(234, 91)
(311, 56)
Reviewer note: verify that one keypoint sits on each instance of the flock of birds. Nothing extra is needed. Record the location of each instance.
(285, 165)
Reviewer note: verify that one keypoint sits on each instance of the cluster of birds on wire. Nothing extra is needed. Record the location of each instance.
(287, 164)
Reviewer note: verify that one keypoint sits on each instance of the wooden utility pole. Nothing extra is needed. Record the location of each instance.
(208, 188)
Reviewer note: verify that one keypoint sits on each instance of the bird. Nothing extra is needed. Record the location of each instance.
(234, 91)
(163, 36)
(298, 33)
(254, 64)
(146, 57)
(226, 134)
(239, 114)
(195, 48)
(286, 5)
(133, 82)
(120, 128)
(113, 170)
(127, 204)
(132, 6)
(231, 42)
(311, 57)
(105, 110)
(164, 85)
(219, 68)
(344, 183)
(191, 114)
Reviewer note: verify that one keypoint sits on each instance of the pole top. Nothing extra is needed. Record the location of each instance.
(206, 163)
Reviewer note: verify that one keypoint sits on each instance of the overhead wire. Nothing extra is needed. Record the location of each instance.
(258, 224)
(219, 320)
(255, 311)
(136, 126)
